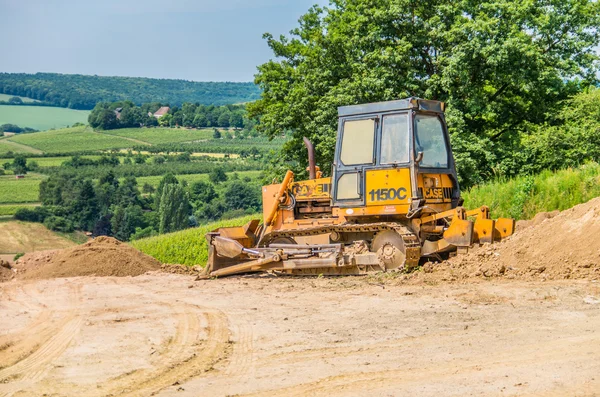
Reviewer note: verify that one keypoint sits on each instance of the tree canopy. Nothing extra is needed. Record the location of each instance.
(500, 66)
(77, 91)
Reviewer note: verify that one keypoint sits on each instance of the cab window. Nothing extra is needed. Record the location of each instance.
(357, 142)
(429, 139)
(394, 139)
(347, 186)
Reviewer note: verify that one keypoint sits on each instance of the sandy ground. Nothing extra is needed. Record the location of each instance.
(165, 334)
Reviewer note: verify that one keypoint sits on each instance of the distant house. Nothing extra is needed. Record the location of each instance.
(118, 113)
(19, 176)
(161, 112)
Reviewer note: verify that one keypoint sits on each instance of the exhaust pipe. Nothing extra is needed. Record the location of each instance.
(312, 168)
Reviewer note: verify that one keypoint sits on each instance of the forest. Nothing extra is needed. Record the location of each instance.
(103, 196)
(125, 114)
(83, 92)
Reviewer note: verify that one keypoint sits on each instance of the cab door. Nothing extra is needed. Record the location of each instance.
(355, 152)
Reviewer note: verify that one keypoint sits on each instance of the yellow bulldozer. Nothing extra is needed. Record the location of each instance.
(392, 199)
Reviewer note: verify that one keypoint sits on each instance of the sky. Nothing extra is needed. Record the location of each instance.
(201, 40)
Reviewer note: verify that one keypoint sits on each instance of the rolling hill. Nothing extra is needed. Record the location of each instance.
(83, 92)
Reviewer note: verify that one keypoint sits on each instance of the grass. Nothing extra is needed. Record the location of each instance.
(16, 191)
(41, 117)
(191, 178)
(11, 209)
(525, 196)
(74, 139)
(162, 135)
(56, 161)
(6, 97)
(16, 237)
(186, 247)
(8, 146)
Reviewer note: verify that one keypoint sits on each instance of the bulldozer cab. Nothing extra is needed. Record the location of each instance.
(394, 154)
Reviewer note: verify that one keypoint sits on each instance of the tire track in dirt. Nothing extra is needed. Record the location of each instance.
(240, 362)
(562, 350)
(185, 356)
(345, 350)
(32, 352)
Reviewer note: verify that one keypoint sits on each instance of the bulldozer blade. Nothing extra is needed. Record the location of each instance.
(483, 231)
(503, 228)
(246, 267)
(435, 247)
(227, 247)
(459, 233)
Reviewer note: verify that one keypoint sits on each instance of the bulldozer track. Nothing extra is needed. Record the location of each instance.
(370, 382)
(30, 353)
(186, 355)
(411, 241)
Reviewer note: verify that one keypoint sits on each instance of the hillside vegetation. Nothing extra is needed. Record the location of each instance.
(524, 196)
(187, 247)
(84, 92)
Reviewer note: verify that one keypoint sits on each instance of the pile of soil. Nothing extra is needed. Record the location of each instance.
(6, 272)
(33, 260)
(103, 256)
(552, 246)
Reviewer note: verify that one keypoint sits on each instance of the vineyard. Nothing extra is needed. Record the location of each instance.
(187, 246)
(13, 191)
(162, 135)
(71, 140)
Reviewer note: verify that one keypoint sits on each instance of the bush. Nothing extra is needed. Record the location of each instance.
(143, 233)
(37, 214)
(58, 224)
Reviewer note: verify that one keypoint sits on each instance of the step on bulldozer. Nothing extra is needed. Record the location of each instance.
(392, 199)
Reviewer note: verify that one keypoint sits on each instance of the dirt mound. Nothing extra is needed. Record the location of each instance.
(33, 260)
(537, 219)
(103, 256)
(6, 272)
(561, 245)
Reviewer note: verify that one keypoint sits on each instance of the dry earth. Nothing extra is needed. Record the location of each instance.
(165, 334)
(520, 318)
(27, 237)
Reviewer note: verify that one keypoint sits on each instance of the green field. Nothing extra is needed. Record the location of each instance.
(41, 117)
(8, 146)
(187, 247)
(56, 161)
(14, 191)
(5, 97)
(71, 140)
(11, 209)
(162, 135)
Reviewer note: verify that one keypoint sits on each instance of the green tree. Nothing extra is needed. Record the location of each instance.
(174, 209)
(84, 208)
(15, 100)
(19, 165)
(125, 220)
(216, 134)
(202, 192)
(499, 65)
(241, 195)
(217, 175)
(166, 120)
(223, 120)
(168, 179)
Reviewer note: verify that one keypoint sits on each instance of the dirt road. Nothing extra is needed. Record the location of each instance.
(154, 335)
